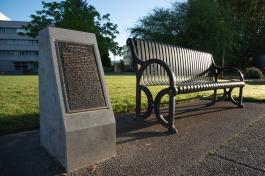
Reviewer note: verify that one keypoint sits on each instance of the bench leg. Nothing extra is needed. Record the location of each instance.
(169, 121)
(138, 101)
(241, 98)
(228, 93)
(238, 102)
(171, 115)
(214, 97)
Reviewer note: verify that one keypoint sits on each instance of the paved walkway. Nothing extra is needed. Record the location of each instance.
(244, 154)
(212, 140)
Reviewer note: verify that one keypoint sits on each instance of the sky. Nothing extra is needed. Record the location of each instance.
(124, 13)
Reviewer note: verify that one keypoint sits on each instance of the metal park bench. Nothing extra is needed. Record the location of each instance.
(182, 71)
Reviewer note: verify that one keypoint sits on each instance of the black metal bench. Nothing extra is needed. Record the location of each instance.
(182, 70)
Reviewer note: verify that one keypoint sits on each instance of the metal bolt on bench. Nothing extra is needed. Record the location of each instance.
(182, 71)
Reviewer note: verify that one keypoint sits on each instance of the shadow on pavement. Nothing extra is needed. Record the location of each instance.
(132, 129)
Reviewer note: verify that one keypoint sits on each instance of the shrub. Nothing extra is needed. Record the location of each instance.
(253, 73)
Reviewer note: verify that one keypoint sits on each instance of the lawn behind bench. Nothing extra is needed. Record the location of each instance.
(19, 109)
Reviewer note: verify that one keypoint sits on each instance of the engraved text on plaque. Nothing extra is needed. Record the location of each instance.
(81, 82)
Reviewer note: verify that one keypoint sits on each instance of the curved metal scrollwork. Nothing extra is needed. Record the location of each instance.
(228, 93)
(239, 102)
(169, 121)
(150, 101)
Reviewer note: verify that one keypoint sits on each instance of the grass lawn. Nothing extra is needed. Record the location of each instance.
(19, 99)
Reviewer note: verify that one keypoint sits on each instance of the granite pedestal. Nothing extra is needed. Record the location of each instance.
(77, 124)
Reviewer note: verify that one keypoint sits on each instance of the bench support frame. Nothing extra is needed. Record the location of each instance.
(171, 91)
(228, 93)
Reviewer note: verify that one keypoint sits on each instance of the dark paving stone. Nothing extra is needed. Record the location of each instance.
(21, 154)
(143, 148)
(214, 166)
(248, 148)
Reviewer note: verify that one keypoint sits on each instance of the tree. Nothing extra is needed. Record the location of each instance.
(162, 24)
(77, 15)
(233, 31)
(248, 20)
(205, 28)
(196, 24)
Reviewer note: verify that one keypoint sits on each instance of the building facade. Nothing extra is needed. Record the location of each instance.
(127, 58)
(18, 54)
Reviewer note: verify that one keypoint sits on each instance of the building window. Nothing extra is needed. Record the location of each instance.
(23, 31)
(21, 66)
(7, 53)
(8, 30)
(28, 53)
(18, 42)
(35, 66)
(2, 30)
(18, 53)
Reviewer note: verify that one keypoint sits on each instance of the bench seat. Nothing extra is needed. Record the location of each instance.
(204, 86)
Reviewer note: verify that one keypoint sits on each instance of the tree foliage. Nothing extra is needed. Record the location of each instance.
(77, 15)
(162, 24)
(232, 29)
(248, 21)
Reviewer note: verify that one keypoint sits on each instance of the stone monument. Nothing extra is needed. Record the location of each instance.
(77, 125)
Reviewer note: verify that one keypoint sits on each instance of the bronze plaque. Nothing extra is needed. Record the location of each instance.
(80, 77)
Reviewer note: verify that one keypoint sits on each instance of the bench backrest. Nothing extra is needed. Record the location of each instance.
(188, 65)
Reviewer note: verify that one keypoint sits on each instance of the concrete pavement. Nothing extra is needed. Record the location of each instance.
(212, 140)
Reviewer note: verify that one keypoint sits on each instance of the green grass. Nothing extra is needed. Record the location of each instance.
(19, 109)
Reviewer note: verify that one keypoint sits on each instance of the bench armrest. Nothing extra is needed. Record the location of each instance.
(222, 69)
(170, 73)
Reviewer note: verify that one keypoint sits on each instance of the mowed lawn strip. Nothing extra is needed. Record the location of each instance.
(19, 107)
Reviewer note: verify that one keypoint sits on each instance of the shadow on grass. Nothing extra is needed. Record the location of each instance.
(256, 82)
(18, 123)
(251, 99)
